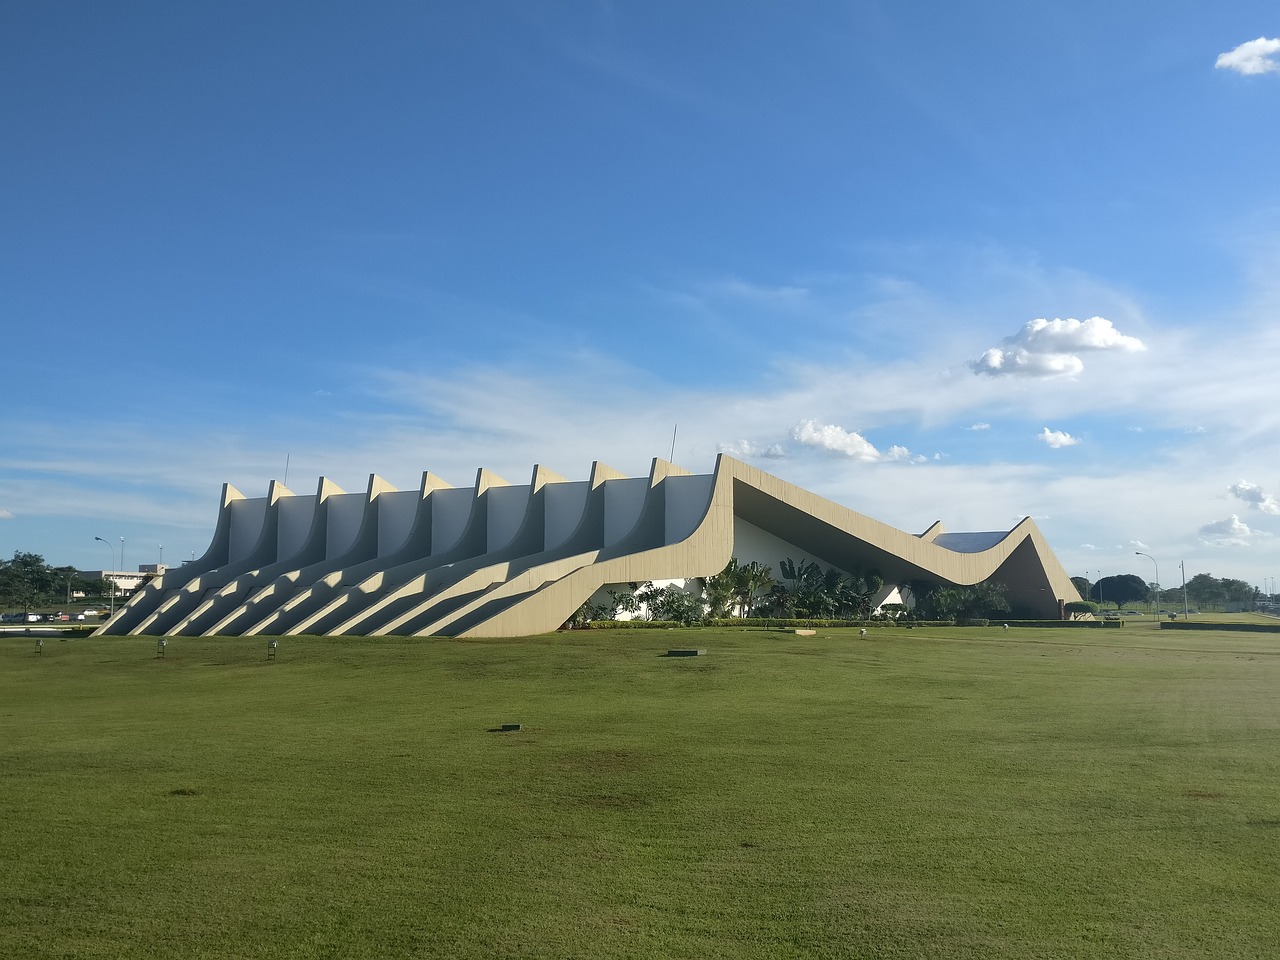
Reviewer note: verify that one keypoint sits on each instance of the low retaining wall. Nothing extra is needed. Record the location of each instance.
(1230, 627)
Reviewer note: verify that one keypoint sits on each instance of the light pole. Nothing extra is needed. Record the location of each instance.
(1185, 608)
(1139, 553)
(111, 547)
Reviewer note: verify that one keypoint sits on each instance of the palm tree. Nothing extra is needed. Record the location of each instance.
(749, 580)
(722, 590)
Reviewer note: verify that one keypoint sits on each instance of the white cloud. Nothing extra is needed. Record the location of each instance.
(1253, 495)
(1049, 348)
(1057, 438)
(1253, 57)
(829, 436)
(6, 515)
(979, 426)
(1231, 532)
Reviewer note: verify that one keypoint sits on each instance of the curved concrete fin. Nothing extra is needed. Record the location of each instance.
(486, 479)
(437, 615)
(253, 616)
(365, 607)
(328, 596)
(935, 530)
(220, 606)
(649, 529)
(443, 585)
(542, 476)
(660, 469)
(600, 472)
(553, 595)
(168, 619)
(431, 482)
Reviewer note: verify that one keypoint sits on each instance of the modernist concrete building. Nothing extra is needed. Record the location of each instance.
(501, 560)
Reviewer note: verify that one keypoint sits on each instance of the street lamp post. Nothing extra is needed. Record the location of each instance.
(1185, 609)
(1139, 553)
(112, 548)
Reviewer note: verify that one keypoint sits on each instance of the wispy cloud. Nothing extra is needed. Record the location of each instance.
(1057, 438)
(1253, 495)
(1051, 348)
(1251, 58)
(751, 450)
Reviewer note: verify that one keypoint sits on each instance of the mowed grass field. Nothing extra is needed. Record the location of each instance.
(931, 793)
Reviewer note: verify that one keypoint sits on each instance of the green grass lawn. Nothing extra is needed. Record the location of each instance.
(919, 794)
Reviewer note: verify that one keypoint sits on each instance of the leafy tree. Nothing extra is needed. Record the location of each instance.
(27, 581)
(1081, 606)
(1238, 591)
(625, 601)
(935, 601)
(1124, 589)
(1206, 591)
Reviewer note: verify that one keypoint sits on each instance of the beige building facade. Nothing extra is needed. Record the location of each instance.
(502, 560)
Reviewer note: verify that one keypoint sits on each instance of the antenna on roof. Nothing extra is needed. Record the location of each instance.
(285, 482)
(672, 458)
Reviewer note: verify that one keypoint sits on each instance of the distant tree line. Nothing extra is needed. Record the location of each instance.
(27, 581)
(1204, 592)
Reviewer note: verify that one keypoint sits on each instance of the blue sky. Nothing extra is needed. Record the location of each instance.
(967, 263)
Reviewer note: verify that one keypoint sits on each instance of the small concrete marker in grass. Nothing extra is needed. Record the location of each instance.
(803, 632)
(686, 653)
